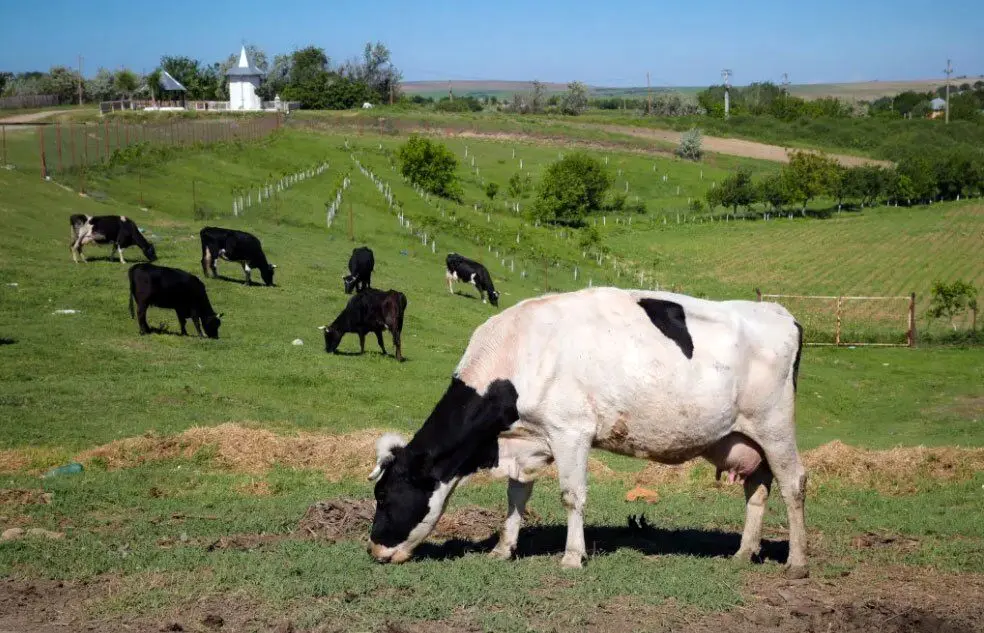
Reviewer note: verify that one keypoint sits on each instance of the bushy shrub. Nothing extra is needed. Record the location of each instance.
(431, 166)
(690, 145)
(520, 185)
(571, 188)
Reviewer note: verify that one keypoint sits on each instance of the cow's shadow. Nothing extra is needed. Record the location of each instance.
(458, 293)
(233, 280)
(7, 341)
(545, 540)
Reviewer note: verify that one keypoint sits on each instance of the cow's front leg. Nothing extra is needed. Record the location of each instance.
(248, 271)
(362, 342)
(183, 322)
(197, 322)
(450, 283)
(518, 493)
(571, 456)
(120, 251)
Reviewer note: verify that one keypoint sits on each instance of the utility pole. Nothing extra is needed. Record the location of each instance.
(80, 80)
(391, 93)
(726, 75)
(785, 82)
(650, 89)
(948, 71)
(450, 94)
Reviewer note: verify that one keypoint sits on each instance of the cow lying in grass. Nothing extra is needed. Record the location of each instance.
(118, 231)
(655, 375)
(369, 311)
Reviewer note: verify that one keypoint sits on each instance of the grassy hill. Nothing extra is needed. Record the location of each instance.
(163, 530)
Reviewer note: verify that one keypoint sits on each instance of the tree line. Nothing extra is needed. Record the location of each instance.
(307, 75)
(917, 179)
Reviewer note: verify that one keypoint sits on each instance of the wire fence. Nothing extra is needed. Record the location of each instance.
(66, 150)
(852, 321)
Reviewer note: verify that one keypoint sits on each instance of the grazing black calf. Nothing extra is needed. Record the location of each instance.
(463, 269)
(360, 265)
(234, 246)
(164, 287)
(118, 231)
(369, 311)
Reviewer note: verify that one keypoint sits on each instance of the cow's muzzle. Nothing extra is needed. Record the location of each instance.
(384, 554)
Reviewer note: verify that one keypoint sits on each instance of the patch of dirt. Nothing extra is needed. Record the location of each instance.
(254, 489)
(471, 523)
(337, 519)
(876, 540)
(21, 496)
(966, 407)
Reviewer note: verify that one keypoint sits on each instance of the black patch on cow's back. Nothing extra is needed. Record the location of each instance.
(671, 320)
(799, 352)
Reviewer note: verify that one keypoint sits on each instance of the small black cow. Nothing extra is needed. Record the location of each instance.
(118, 231)
(369, 311)
(463, 269)
(234, 246)
(360, 266)
(163, 287)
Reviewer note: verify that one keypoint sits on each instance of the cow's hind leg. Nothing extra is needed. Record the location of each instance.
(379, 339)
(362, 342)
(119, 250)
(142, 317)
(183, 322)
(197, 322)
(518, 493)
(757, 487)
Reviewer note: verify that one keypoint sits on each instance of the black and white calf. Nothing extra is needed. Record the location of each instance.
(118, 231)
(174, 289)
(360, 265)
(468, 271)
(235, 246)
(654, 375)
(369, 311)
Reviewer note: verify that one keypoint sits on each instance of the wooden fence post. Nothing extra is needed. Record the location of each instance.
(837, 335)
(44, 169)
(3, 144)
(546, 286)
(58, 142)
(911, 334)
(758, 294)
(106, 137)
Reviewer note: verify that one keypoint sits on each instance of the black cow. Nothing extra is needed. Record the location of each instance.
(118, 231)
(360, 266)
(369, 311)
(163, 287)
(234, 246)
(463, 269)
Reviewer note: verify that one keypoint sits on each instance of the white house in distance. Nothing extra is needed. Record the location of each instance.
(244, 80)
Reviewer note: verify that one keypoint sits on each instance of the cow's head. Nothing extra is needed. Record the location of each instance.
(349, 281)
(267, 273)
(332, 338)
(494, 298)
(409, 500)
(150, 252)
(211, 325)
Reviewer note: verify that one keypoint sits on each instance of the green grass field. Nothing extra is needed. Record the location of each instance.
(140, 542)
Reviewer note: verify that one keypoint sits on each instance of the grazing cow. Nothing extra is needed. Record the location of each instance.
(235, 246)
(118, 231)
(463, 269)
(655, 375)
(361, 264)
(164, 287)
(369, 311)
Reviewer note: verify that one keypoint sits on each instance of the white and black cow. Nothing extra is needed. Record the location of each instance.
(370, 310)
(235, 246)
(469, 271)
(163, 287)
(655, 375)
(361, 264)
(118, 231)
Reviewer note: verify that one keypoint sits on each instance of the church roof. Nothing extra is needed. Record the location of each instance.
(169, 83)
(245, 67)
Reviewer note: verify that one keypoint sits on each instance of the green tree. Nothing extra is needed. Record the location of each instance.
(520, 184)
(538, 96)
(575, 100)
(949, 300)
(62, 82)
(101, 87)
(571, 188)
(430, 165)
(737, 189)
(808, 175)
(376, 71)
(491, 190)
(126, 82)
(309, 78)
(773, 190)
(343, 93)
(277, 78)
(187, 72)
(690, 145)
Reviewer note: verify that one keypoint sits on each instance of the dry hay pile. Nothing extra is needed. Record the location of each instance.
(336, 519)
(893, 471)
(248, 450)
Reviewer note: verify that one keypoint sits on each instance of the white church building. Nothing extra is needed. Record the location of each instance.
(244, 81)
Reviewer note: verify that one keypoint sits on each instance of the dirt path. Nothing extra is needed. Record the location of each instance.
(28, 118)
(730, 146)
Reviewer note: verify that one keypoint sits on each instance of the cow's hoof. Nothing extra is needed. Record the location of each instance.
(501, 553)
(744, 555)
(797, 572)
(572, 560)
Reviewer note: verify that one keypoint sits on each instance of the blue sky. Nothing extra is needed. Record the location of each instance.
(611, 43)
